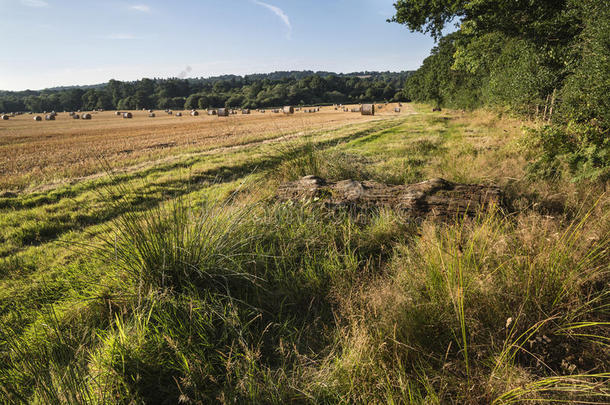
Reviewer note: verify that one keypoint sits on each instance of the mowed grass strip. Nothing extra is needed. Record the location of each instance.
(40, 224)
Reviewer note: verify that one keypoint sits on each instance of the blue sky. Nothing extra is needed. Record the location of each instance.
(64, 42)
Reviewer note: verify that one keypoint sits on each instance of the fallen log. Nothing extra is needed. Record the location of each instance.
(436, 198)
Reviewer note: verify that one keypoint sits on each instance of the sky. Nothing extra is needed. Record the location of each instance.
(50, 43)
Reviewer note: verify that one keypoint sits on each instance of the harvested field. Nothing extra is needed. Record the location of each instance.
(33, 153)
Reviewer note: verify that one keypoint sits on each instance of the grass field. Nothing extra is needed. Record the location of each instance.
(146, 261)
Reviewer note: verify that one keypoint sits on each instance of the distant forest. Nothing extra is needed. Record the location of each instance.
(251, 91)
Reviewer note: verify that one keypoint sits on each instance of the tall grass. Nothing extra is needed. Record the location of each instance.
(481, 309)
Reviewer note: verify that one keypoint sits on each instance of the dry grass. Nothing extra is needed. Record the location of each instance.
(33, 153)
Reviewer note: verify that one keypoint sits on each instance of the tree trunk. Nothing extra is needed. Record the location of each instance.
(433, 198)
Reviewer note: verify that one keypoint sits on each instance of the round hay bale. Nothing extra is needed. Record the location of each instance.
(194, 113)
(170, 112)
(117, 113)
(288, 109)
(150, 111)
(151, 115)
(223, 112)
(37, 118)
(245, 111)
(75, 116)
(86, 116)
(127, 115)
(367, 109)
(211, 112)
(49, 117)
(5, 117)
(178, 114)
(397, 110)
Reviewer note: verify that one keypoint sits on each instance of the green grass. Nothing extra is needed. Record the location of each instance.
(190, 283)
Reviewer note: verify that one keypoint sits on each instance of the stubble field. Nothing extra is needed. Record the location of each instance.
(37, 153)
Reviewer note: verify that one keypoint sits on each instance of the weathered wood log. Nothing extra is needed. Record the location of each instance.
(436, 198)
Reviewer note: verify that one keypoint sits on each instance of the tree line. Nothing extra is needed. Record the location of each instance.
(251, 91)
(546, 59)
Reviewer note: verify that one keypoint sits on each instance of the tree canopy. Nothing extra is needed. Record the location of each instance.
(252, 91)
(546, 59)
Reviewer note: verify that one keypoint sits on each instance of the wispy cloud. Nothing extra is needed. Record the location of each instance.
(121, 36)
(279, 12)
(35, 3)
(141, 7)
